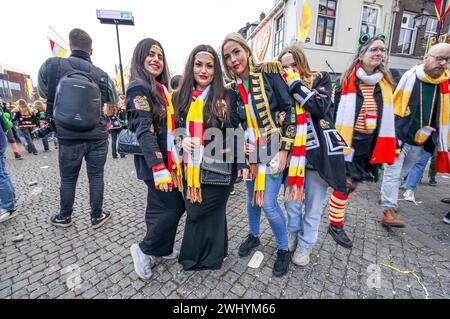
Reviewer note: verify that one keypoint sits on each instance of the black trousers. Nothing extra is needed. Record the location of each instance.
(162, 216)
(70, 161)
(114, 134)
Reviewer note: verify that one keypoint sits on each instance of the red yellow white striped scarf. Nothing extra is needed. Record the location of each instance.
(402, 96)
(296, 172)
(174, 163)
(253, 133)
(385, 146)
(193, 161)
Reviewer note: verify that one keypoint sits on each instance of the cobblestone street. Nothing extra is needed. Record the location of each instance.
(48, 260)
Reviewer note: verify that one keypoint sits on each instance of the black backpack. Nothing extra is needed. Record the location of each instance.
(78, 102)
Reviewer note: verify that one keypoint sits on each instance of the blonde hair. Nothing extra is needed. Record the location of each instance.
(357, 59)
(239, 39)
(39, 106)
(111, 109)
(22, 105)
(303, 67)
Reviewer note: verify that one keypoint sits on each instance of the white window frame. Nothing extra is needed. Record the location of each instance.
(413, 37)
(378, 9)
(279, 45)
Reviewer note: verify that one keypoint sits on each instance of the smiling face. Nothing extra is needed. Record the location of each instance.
(203, 70)
(236, 58)
(154, 62)
(373, 56)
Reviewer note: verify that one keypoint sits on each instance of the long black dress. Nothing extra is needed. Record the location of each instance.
(205, 240)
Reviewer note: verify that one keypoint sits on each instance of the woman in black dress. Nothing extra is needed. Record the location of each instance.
(203, 103)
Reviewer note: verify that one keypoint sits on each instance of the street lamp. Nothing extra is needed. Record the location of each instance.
(116, 17)
(421, 18)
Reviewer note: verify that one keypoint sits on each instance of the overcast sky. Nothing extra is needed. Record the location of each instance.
(179, 26)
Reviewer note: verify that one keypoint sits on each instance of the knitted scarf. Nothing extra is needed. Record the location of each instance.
(253, 133)
(174, 163)
(385, 146)
(193, 161)
(296, 173)
(402, 96)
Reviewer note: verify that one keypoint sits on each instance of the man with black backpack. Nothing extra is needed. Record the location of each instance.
(76, 90)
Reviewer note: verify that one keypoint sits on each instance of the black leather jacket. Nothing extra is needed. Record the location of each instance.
(279, 100)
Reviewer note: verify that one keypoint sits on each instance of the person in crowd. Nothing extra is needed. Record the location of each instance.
(365, 119)
(203, 103)
(41, 114)
(74, 145)
(8, 207)
(115, 119)
(26, 120)
(323, 153)
(175, 82)
(422, 107)
(151, 116)
(10, 133)
(262, 95)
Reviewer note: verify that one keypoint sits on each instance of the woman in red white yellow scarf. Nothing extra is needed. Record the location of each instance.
(151, 117)
(262, 95)
(319, 158)
(203, 105)
(365, 119)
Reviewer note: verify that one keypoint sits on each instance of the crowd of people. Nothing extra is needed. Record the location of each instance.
(301, 136)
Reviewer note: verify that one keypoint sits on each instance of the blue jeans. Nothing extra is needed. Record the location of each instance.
(305, 225)
(7, 193)
(271, 208)
(416, 173)
(394, 173)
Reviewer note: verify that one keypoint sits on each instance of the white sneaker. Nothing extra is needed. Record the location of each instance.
(301, 256)
(5, 215)
(409, 196)
(173, 255)
(142, 262)
(292, 242)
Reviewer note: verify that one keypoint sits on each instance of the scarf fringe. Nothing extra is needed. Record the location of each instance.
(294, 193)
(195, 195)
(177, 181)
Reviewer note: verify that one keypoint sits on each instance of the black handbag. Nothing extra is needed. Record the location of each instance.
(215, 173)
(128, 143)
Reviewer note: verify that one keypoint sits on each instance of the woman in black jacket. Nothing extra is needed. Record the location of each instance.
(324, 152)
(262, 95)
(202, 107)
(150, 113)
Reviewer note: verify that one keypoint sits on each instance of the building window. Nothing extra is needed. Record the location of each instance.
(279, 36)
(430, 30)
(326, 21)
(370, 20)
(407, 34)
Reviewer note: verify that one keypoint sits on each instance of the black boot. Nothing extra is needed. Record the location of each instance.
(339, 235)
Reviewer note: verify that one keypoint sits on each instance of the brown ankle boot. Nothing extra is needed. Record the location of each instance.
(391, 219)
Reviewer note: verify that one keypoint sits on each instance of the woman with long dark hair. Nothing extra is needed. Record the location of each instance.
(151, 117)
(202, 104)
